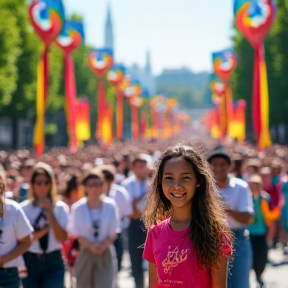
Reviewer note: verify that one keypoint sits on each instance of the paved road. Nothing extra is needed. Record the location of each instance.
(275, 275)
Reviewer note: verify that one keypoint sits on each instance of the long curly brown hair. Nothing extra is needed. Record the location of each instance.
(209, 220)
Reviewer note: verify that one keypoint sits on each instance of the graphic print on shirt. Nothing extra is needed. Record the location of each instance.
(95, 215)
(174, 258)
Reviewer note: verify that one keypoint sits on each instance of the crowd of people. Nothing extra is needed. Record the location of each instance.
(167, 207)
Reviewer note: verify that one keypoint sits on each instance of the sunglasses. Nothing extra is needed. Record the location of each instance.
(94, 185)
(96, 229)
(28, 167)
(42, 183)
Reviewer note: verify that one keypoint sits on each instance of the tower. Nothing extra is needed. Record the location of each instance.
(148, 76)
(109, 39)
(148, 63)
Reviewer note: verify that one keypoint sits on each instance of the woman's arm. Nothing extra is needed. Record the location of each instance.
(39, 234)
(84, 243)
(60, 234)
(153, 276)
(220, 276)
(22, 246)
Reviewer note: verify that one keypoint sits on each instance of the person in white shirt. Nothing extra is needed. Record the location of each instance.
(93, 221)
(49, 217)
(137, 187)
(238, 198)
(123, 202)
(15, 232)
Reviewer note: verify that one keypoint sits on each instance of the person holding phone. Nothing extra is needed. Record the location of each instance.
(15, 232)
(49, 217)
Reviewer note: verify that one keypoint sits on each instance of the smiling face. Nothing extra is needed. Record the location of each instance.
(179, 182)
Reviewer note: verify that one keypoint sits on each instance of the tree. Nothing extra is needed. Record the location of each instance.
(10, 49)
(276, 47)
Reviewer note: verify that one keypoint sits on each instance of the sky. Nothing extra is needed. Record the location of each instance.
(178, 33)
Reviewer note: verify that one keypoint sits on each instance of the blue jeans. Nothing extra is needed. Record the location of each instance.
(9, 278)
(242, 262)
(44, 271)
(137, 237)
(119, 249)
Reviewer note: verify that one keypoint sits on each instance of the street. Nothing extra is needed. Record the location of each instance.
(275, 275)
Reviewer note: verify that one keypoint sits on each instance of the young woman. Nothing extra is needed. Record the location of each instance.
(49, 217)
(190, 243)
(93, 222)
(15, 232)
(264, 217)
(120, 195)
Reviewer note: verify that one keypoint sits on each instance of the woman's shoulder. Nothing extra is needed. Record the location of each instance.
(26, 204)
(107, 201)
(156, 229)
(79, 204)
(59, 204)
(239, 183)
(12, 205)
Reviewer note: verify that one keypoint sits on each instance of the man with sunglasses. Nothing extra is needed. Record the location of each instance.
(15, 232)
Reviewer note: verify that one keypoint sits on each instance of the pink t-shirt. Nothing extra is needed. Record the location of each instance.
(175, 257)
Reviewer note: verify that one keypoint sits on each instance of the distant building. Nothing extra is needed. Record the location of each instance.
(108, 35)
(144, 75)
(183, 77)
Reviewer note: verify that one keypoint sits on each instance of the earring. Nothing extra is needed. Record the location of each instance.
(198, 185)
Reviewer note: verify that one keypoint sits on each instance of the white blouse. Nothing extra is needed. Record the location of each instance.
(14, 226)
(81, 220)
(123, 202)
(61, 211)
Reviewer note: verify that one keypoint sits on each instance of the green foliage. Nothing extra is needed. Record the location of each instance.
(276, 47)
(10, 49)
(242, 78)
(55, 100)
(190, 97)
(277, 65)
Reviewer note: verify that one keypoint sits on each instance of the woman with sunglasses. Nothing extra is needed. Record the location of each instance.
(93, 222)
(49, 217)
(15, 232)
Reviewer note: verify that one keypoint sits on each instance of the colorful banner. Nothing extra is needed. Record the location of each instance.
(215, 125)
(135, 102)
(83, 119)
(70, 39)
(224, 63)
(237, 129)
(47, 18)
(115, 76)
(254, 19)
(100, 61)
(107, 133)
(216, 85)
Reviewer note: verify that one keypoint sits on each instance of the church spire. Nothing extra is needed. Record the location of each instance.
(109, 38)
(148, 62)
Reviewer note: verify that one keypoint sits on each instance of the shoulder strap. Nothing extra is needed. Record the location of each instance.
(41, 215)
